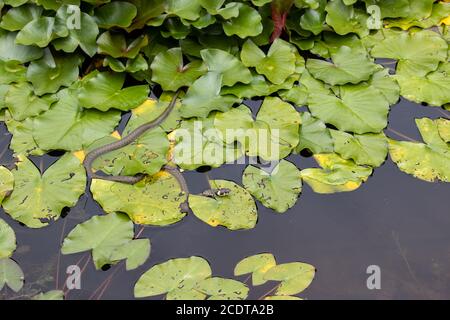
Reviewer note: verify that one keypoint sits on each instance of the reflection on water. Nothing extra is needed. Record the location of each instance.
(395, 221)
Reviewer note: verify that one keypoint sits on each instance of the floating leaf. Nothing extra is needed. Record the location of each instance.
(347, 67)
(417, 52)
(50, 78)
(204, 96)
(257, 265)
(223, 289)
(110, 238)
(247, 24)
(337, 175)
(277, 65)
(346, 19)
(7, 239)
(355, 108)
(22, 103)
(170, 72)
(278, 190)
(37, 198)
(175, 274)
(282, 298)
(117, 45)
(185, 294)
(6, 183)
(234, 211)
(11, 275)
(230, 67)
(314, 135)
(115, 14)
(429, 161)
(365, 149)
(11, 51)
(433, 89)
(11, 71)
(67, 126)
(103, 91)
(295, 277)
(155, 200)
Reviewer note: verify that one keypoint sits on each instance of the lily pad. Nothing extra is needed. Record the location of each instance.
(234, 211)
(11, 275)
(223, 289)
(50, 295)
(336, 175)
(365, 149)
(295, 277)
(277, 65)
(38, 198)
(278, 190)
(67, 126)
(175, 274)
(155, 200)
(103, 91)
(257, 265)
(429, 161)
(314, 135)
(171, 73)
(110, 238)
(7, 240)
(6, 183)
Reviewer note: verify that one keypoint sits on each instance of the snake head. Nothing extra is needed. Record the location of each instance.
(222, 192)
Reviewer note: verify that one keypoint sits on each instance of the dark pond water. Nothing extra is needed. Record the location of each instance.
(394, 221)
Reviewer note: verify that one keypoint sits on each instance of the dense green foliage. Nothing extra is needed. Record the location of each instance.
(69, 70)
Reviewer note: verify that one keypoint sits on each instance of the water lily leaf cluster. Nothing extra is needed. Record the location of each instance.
(76, 75)
(192, 279)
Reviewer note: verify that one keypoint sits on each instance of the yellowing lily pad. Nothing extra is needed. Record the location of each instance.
(257, 265)
(155, 200)
(295, 277)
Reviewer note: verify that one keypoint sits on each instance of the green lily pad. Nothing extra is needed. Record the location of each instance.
(278, 190)
(417, 52)
(22, 103)
(295, 277)
(365, 149)
(433, 89)
(6, 183)
(11, 51)
(155, 200)
(175, 274)
(246, 24)
(277, 65)
(346, 19)
(200, 144)
(230, 67)
(115, 14)
(223, 289)
(22, 141)
(169, 71)
(11, 71)
(103, 91)
(347, 67)
(7, 240)
(117, 45)
(429, 161)
(204, 96)
(110, 238)
(67, 126)
(282, 298)
(11, 275)
(234, 211)
(38, 198)
(314, 135)
(355, 108)
(257, 265)
(336, 175)
(17, 18)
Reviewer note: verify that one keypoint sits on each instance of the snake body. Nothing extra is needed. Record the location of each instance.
(135, 134)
